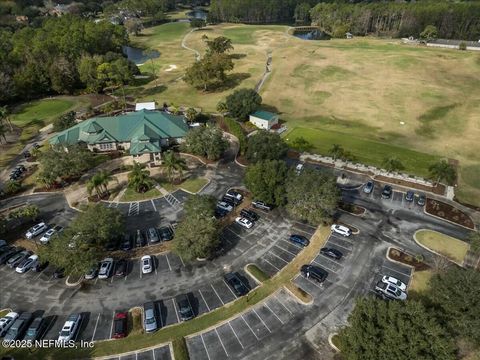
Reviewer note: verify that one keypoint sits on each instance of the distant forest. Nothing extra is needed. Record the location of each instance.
(454, 20)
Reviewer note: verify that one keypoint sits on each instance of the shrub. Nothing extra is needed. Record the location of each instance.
(236, 129)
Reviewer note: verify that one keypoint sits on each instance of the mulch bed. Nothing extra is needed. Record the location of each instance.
(351, 208)
(448, 212)
(293, 154)
(438, 189)
(242, 160)
(408, 259)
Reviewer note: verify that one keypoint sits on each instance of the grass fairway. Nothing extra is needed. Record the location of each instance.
(448, 246)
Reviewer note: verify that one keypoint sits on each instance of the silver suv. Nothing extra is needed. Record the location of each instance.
(150, 317)
(105, 268)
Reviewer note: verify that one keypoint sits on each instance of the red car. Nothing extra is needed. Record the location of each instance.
(120, 325)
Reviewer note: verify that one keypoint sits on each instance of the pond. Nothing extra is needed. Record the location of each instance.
(198, 14)
(312, 35)
(139, 56)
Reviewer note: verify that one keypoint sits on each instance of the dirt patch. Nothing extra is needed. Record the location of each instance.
(351, 208)
(448, 212)
(242, 160)
(438, 189)
(407, 259)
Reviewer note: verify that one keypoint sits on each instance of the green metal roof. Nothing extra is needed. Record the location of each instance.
(265, 115)
(136, 127)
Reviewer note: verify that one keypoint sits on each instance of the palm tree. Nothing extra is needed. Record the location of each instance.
(222, 107)
(173, 164)
(442, 170)
(392, 164)
(336, 151)
(95, 183)
(190, 114)
(139, 178)
(104, 177)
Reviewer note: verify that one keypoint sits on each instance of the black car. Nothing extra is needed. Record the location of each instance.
(27, 154)
(313, 272)
(237, 285)
(249, 214)
(331, 252)
(9, 252)
(59, 273)
(140, 239)
(165, 233)
(127, 243)
(15, 332)
(41, 266)
(184, 308)
(121, 267)
(387, 192)
(299, 239)
(229, 201)
(36, 330)
(421, 200)
(409, 196)
(220, 213)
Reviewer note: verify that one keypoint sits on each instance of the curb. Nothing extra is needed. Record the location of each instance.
(357, 215)
(6, 309)
(396, 261)
(330, 342)
(296, 297)
(433, 251)
(449, 221)
(245, 268)
(69, 284)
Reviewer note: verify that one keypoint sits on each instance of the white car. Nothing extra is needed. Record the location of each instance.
(27, 264)
(224, 206)
(36, 230)
(244, 222)
(70, 328)
(342, 230)
(394, 281)
(146, 263)
(46, 237)
(299, 168)
(105, 268)
(390, 291)
(6, 322)
(234, 194)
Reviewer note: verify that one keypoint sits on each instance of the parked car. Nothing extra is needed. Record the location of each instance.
(243, 222)
(236, 200)
(112, 244)
(18, 258)
(40, 266)
(299, 240)
(70, 328)
(36, 330)
(121, 267)
(236, 284)
(220, 213)
(313, 272)
(16, 330)
(340, 229)
(249, 214)
(331, 252)
(8, 252)
(47, 236)
(92, 273)
(394, 281)
(228, 200)
(152, 235)
(390, 291)
(127, 243)
(166, 233)
(58, 273)
(368, 188)
(421, 200)
(150, 317)
(3, 243)
(7, 321)
(299, 168)
(147, 264)
(120, 325)
(140, 239)
(234, 194)
(105, 268)
(224, 206)
(387, 192)
(27, 264)
(409, 196)
(184, 308)
(36, 230)
(261, 205)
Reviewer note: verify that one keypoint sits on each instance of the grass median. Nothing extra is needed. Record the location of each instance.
(452, 248)
(173, 333)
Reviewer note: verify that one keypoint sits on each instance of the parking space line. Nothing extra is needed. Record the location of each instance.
(313, 283)
(168, 262)
(331, 259)
(249, 327)
(270, 263)
(263, 322)
(343, 238)
(176, 310)
(271, 253)
(153, 204)
(286, 308)
(200, 292)
(79, 328)
(215, 291)
(95, 329)
(291, 243)
(268, 307)
(308, 225)
(322, 265)
(182, 261)
(239, 235)
(398, 272)
(230, 288)
(285, 250)
(153, 354)
(205, 346)
(343, 247)
(111, 327)
(234, 333)
(221, 342)
(300, 230)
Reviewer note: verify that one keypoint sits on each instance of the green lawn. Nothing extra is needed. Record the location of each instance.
(448, 246)
(245, 34)
(132, 195)
(163, 33)
(193, 184)
(366, 151)
(420, 280)
(258, 273)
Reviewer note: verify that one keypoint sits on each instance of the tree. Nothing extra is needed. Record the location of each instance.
(312, 196)
(429, 33)
(209, 72)
(198, 234)
(173, 165)
(64, 121)
(205, 141)
(265, 145)
(302, 13)
(221, 107)
(4, 117)
(133, 26)
(3, 132)
(379, 329)
(197, 23)
(336, 151)
(12, 187)
(454, 293)
(442, 170)
(266, 180)
(191, 114)
(242, 103)
(392, 164)
(139, 178)
(99, 183)
(301, 144)
(474, 239)
(63, 75)
(219, 45)
(29, 211)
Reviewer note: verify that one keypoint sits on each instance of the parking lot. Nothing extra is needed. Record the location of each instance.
(160, 353)
(390, 268)
(230, 339)
(397, 199)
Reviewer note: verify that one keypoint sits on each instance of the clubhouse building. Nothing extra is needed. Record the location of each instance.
(144, 134)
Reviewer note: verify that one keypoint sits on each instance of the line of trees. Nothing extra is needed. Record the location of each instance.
(453, 20)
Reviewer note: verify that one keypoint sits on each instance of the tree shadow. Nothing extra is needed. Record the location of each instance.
(238, 56)
(232, 81)
(154, 90)
(270, 108)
